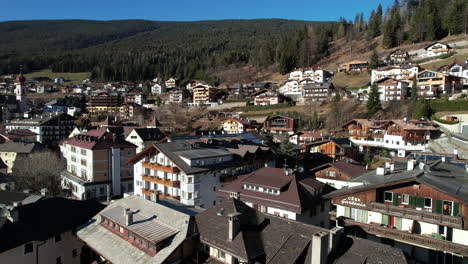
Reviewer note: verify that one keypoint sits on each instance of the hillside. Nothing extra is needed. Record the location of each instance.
(139, 49)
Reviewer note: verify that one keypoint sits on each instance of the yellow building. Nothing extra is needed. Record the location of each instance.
(204, 94)
(10, 152)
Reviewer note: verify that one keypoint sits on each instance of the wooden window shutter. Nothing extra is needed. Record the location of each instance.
(412, 200)
(420, 202)
(398, 223)
(456, 209)
(395, 199)
(439, 206)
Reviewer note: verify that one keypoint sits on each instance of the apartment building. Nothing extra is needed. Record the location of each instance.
(190, 171)
(105, 103)
(402, 72)
(280, 124)
(204, 94)
(392, 89)
(42, 232)
(457, 69)
(432, 84)
(420, 207)
(397, 134)
(134, 230)
(96, 165)
(317, 75)
(49, 127)
(12, 152)
(267, 97)
(318, 92)
(177, 96)
(283, 193)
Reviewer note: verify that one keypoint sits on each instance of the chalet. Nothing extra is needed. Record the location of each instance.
(317, 75)
(437, 48)
(133, 230)
(170, 83)
(398, 56)
(305, 137)
(403, 72)
(142, 137)
(354, 66)
(338, 174)
(292, 88)
(280, 124)
(190, 85)
(458, 70)
(392, 90)
(416, 206)
(190, 170)
(318, 92)
(398, 134)
(283, 193)
(267, 97)
(239, 125)
(334, 148)
(158, 88)
(431, 84)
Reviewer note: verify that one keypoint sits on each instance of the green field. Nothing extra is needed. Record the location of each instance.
(70, 77)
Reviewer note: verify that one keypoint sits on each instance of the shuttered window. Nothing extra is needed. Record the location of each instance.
(395, 199)
(420, 202)
(439, 206)
(412, 200)
(398, 223)
(385, 219)
(456, 209)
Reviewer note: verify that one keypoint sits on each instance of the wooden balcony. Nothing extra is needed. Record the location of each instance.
(149, 192)
(423, 216)
(157, 167)
(164, 182)
(415, 239)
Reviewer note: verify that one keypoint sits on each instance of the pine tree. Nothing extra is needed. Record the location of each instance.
(392, 27)
(315, 123)
(414, 90)
(374, 60)
(423, 110)
(373, 103)
(158, 101)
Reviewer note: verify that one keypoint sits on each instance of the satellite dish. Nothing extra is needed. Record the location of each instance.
(300, 169)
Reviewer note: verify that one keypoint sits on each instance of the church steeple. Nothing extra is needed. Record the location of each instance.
(20, 92)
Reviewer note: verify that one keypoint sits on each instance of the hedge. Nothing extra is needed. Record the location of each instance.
(439, 105)
(443, 121)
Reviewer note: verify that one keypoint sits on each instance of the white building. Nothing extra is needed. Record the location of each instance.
(158, 88)
(392, 90)
(405, 72)
(192, 172)
(437, 48)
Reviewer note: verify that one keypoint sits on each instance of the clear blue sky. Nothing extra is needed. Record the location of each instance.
(185, 10)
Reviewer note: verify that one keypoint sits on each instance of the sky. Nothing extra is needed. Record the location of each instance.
(186, 10)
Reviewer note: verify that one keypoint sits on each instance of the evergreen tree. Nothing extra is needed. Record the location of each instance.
(392, 27)
(423, 110)
(374, 60)
(373, 103)
(315, 123)
(158, 101)
(414, 90)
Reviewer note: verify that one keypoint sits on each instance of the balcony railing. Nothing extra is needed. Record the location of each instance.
(164, 182)
(149, 192)
(157, 167)
(430, 217)
(420, 240)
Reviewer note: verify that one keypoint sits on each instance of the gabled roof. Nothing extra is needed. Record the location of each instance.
(347, 166)
(261, 236)
(98, 139)
(18, 147)
(151, 220)
(437, 42)
(295, 194)
(8, 197)
(149, 134)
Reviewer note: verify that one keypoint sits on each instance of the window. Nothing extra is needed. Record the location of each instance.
(73, 149)
(330, 173)
(28, 248)
(84, 174)
(405, 199)
(83, 152)
(73, 158)
(427, 203)
(262, 208)
(83, 162)
(388, 197)
(74, 253)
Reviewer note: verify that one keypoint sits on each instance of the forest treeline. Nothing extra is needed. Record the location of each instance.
(137, 50)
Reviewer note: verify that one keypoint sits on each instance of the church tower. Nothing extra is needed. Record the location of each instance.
(20, 92)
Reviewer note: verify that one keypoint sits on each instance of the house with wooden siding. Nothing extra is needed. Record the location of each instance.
(338, 174)
(437, 48)
(420, 207)
(335, 148)
(280, 124)
(235, 125)
(397, 134)
(432, 84)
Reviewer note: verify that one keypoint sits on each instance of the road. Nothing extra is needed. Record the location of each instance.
(446, 144)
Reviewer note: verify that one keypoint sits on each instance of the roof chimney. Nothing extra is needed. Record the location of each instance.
(319, 248)
(380, 171)
(421, 165)
(44, 191)
(128, 217)
(234, 225)
(411, 164)
(17, 203)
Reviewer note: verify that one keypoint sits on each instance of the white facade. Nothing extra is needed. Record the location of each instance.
(66, 249)
(395, 72)
(390, 142)
(337, 183)
(391, 92)
(158, 89)
(437, 49)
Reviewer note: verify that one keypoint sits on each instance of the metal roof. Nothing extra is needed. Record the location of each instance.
(202, 153)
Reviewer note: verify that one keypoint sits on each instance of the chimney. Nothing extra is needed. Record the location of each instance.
(319, 252)
(421, 165)
(380, 171)
(44, 191)
(17, 203)
(336, 235)
(234, 225)
(411, 164)
(128, 217)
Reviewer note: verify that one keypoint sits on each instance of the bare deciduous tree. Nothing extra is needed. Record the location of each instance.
(39, 170)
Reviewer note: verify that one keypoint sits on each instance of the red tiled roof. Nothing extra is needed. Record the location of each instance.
(97, 139)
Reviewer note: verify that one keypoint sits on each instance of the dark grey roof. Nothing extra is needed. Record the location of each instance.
(202, 153)
(352, 249)
(8, 197)
(450, 178)
(17, 147)
(39, 119)
(262, 236)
